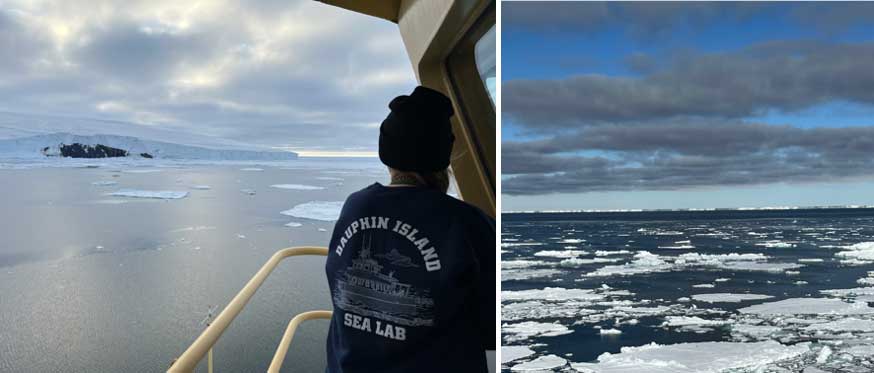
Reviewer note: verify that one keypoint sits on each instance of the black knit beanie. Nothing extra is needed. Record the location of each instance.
(417, 136)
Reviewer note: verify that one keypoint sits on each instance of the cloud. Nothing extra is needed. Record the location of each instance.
(655, 20)
(271, 72)
(689, 155)
(642, 20)
(781, 75)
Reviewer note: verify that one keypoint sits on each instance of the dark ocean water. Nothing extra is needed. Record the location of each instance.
(641, 268)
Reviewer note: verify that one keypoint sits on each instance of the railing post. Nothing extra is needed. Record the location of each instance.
(207, 339)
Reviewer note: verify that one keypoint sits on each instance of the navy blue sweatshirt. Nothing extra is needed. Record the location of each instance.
(412, 278)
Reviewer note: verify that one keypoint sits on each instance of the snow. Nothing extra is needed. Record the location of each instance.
(157, 194)
(645, 262)
(776, 244)
(316, 210)
(528, 329)
(862, 252)
(32, 147)
(297, 187)
(543, 363)
(692, 357)
(561, 253)
(728, 297)
(800, 306)
(691, 320)
(844, 325)
(512, 353)
(550, 294)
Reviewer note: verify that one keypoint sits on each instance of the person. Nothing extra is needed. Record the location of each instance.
(411, 269)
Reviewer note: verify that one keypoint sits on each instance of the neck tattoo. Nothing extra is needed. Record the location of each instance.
(404, 179)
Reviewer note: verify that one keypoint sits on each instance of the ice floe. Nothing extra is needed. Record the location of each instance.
(528, 329)
(561, 253)
(316, 210)
(513, 353)
(252, 169)
(201, 187)
(104, 183)
(860, 253)
(541, 364)
(692, 357)
(293, 224)
(296, 187)
(609, 332)
(728, 297)
(156, 194)
(801, 306)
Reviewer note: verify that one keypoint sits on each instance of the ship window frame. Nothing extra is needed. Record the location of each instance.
(477, 107)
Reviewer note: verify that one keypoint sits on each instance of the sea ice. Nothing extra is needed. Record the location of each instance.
(551, 294)
(512, 353)
(809, 306)
(157, 194)
(250, 192)
(609, 332)
(692, 357)
(256, 169)
(691, 321)
(561, 253)
(528, 329)
(316, 210)
(728, 297)
(296, 187)
(861, 252)
(541, 364)
(104, 183)
(201, 187)
(293, 224)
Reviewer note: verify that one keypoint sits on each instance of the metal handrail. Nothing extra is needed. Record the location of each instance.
(203, 344)
(282, 349)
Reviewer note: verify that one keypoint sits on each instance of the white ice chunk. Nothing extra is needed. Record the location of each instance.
(691, 320)
(861, 252)
(316, 210)
(157, 194)
(550, 294)
(528, 329)
(104, 183)
(692, 357)
(543, 363)
(561, 253)
(255, 169)
(293, 224)
(610, 332)
(512, 353)
(296, 187)
(728, 297)
(809, 306)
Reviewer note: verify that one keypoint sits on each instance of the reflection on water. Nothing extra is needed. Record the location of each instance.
(92, 282)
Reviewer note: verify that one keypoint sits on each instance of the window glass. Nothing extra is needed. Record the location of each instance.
(486, 62)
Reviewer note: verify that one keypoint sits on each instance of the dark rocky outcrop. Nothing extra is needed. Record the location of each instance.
(77, 150)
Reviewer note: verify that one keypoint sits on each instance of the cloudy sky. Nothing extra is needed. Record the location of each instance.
(294, 74)
(679, 105)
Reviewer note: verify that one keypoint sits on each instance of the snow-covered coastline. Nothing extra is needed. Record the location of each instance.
(36, 147)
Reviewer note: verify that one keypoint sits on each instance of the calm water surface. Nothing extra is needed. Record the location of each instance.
(95, 283)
